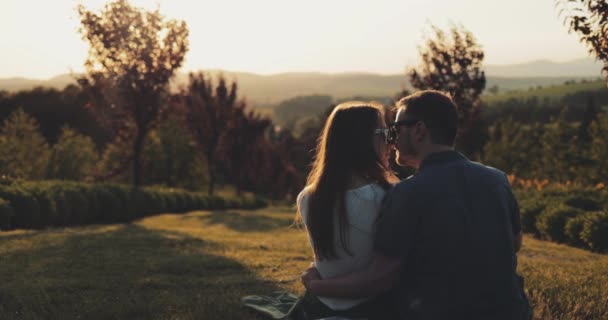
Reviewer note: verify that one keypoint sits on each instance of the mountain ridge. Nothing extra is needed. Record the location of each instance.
(266, 90)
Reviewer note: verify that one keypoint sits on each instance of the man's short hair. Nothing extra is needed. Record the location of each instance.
(438, 112)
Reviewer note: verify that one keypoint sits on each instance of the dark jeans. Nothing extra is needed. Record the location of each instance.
(310, 307)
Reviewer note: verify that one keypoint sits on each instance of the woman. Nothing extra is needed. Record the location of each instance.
(342, 199)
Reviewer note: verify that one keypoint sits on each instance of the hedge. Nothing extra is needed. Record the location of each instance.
(576, 216)
(32, 205)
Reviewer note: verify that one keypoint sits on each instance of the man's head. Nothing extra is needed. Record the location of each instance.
(426, 121)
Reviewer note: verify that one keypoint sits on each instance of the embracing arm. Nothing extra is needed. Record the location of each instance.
(378, 277)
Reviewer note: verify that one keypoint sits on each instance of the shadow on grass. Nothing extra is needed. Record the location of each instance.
(127, 273)
(244, 222)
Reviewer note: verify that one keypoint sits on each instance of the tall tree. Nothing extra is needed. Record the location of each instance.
(73, 157)
(132, 57)
(560, 156)
(208, 112)
(171, 156)
(240, 147)
(589, 19)
(452, 62)
(24, 152)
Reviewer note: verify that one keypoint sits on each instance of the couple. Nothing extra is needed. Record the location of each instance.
(441, 244)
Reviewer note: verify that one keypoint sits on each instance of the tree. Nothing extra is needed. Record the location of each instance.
(208, 113)
(23, 150)
(241, 146)
(454, 64)
(171, 157)
(513, 148)
(73, 157)
(132, 57)
(599, 147)
(560, 157)
(589, 19)
(53, 109)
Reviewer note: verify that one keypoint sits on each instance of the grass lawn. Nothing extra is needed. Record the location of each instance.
(198, 265)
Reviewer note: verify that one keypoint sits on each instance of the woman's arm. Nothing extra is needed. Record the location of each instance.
(380, 276)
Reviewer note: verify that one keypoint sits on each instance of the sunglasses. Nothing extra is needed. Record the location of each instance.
(406, 122)
(386, 132)
(390, 133)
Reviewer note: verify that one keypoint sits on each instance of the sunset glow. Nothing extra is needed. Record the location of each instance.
(40, 38)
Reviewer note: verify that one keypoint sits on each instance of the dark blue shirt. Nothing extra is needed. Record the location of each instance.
(453, 223)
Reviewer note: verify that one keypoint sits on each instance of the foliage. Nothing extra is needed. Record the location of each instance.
(595, 231)
(6, 214)
(511, 146)
(551, 223)
(23, 150)
(454, 64)
(599, 147)
(559, 142)
(589, 19)
(171, 157)
(132, 56)
(54, 109)
(73, 157)
(27, 205)
(245, 141)
(563, 211)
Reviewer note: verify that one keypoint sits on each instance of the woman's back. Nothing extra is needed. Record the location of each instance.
(362, 207)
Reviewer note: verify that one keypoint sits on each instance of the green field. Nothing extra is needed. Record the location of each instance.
(198, 265)
(553, 92)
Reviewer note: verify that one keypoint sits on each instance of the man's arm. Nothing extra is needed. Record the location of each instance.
(517, 240)
(378, 277)
(515, 218)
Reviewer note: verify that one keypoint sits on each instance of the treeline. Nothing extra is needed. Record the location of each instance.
(196, 144)
(542, 107)
(559, 150)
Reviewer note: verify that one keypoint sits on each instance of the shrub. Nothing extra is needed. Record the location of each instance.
(573, 229)
(530, 209)
(582, 202)
(25, 205)
(595, 231)
(552, 222)
(59, 203)
(46, 201)
(111, 206)
(6, 214)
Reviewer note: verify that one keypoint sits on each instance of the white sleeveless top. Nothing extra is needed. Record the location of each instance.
(362, 208)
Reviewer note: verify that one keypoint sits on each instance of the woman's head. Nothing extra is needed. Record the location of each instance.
(352, 142)
(352, 145)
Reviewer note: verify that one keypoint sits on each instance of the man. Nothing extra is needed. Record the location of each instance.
(447, 237)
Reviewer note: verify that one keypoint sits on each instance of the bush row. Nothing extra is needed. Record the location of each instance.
(578, 217)
(31, 205)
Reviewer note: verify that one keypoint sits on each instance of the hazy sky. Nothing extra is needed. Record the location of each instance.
(39, 38)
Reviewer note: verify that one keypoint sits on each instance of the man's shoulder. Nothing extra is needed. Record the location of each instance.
(482, 171)
(407, 187)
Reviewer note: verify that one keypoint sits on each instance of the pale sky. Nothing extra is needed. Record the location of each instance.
(39, 38)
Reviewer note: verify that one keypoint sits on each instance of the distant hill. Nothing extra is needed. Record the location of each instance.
(585, 67)
(17, 83)
(266, 91)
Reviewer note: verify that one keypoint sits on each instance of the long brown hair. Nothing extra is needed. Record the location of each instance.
(345, 149)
